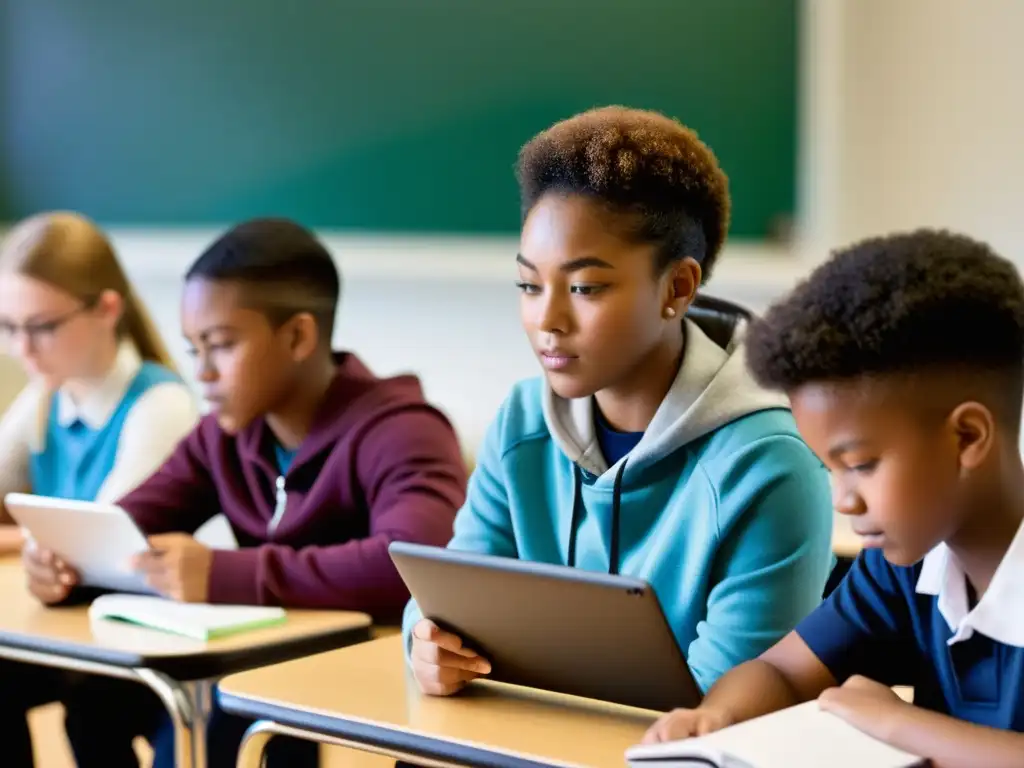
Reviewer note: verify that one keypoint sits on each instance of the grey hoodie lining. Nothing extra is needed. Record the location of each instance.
(713, 387)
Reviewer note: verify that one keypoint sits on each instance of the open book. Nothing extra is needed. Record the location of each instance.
(198, 620)
(803, 736)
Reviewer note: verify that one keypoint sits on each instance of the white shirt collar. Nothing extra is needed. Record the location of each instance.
(99, 404)
(1000, 612)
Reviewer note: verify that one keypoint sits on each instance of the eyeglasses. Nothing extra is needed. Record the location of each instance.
(39, 332)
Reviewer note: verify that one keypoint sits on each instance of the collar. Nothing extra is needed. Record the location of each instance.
(102, 400)
(1000, 612)
(572, 422)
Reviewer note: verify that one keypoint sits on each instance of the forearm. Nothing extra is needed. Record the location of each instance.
(750, 690)
(356, 576)
(951, 743)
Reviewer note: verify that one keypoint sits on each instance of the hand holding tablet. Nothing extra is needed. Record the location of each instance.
(77, 542)
(441, 664)
(50, 579)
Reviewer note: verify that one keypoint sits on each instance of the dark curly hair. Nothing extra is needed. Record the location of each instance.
(906, 303)
(647, 167)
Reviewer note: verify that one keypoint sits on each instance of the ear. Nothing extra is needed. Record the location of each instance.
(303, 336)
(110, 307)
(684, 278)
(974, 429)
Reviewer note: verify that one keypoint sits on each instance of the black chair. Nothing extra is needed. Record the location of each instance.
(718, 318)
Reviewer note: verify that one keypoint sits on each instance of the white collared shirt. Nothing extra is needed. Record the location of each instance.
(157, 422)
(999, 614)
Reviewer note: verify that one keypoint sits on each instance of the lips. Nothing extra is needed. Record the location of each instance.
(556, 359)
(871, 538)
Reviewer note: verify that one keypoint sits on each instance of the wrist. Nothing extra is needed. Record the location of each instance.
(722, 715)
(897, 721)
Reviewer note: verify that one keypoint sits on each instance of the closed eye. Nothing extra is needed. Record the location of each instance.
(589, 289)
(45, 326)
(528, 288)
(207, 348)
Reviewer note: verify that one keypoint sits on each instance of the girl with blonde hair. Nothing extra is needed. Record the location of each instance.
(103, 409)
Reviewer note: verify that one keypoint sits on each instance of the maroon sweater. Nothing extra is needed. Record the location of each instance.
(379, 465)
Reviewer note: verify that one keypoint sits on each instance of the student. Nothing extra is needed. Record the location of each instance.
(104, 407)
(904, 360)
(646, 449)
(316, 463)
(102, 411)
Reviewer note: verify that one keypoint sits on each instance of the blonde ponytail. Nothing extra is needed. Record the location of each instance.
(139, 327)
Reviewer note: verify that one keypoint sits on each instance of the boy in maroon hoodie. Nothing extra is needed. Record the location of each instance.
(316, 464)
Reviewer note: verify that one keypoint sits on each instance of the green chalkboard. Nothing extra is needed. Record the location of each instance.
(371, 114)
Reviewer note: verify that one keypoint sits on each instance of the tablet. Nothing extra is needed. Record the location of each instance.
(553, 627)
(97, 540)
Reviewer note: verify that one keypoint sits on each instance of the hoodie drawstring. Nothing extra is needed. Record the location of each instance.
(577, 517)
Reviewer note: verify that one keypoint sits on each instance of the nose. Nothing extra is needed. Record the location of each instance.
(553, 313)
(846, 500)
(205, 372)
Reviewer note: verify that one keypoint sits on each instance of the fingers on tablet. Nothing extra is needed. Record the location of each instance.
(442, 681)
(447, 640)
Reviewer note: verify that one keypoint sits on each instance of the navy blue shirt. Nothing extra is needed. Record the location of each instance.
(877, 624)
(614, 445)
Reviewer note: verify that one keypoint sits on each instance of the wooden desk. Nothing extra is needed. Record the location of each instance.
(180, 670)
(364, 698)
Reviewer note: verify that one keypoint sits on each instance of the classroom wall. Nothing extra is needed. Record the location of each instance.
(919, 112)
(12, 379)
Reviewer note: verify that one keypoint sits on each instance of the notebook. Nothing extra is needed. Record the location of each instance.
(803, 736)
(197, 620)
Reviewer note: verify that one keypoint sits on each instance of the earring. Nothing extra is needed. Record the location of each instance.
(669, 312)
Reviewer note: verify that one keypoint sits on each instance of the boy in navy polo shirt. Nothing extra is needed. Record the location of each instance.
(903, 357)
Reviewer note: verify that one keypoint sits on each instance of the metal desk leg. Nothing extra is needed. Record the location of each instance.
(254, 744)
(252, 753)
(189, 705)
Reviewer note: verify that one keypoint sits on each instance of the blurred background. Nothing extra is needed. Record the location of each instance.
(392, 126)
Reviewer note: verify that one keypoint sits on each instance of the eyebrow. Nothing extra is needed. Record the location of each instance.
(838, 450)
(207, 332)
(570, 266)
(38, 318)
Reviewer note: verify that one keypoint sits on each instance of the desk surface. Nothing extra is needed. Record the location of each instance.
(69, 632)
(365, 694)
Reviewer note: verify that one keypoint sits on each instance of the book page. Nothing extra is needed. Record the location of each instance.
(799, 737)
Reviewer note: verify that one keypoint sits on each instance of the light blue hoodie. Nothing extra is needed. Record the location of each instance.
(722, 508)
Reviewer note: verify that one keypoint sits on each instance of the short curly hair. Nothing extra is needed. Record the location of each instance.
(906, 303)
(648, 167)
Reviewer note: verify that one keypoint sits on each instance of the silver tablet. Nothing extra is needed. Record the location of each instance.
(97, 540)
(553, 627)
